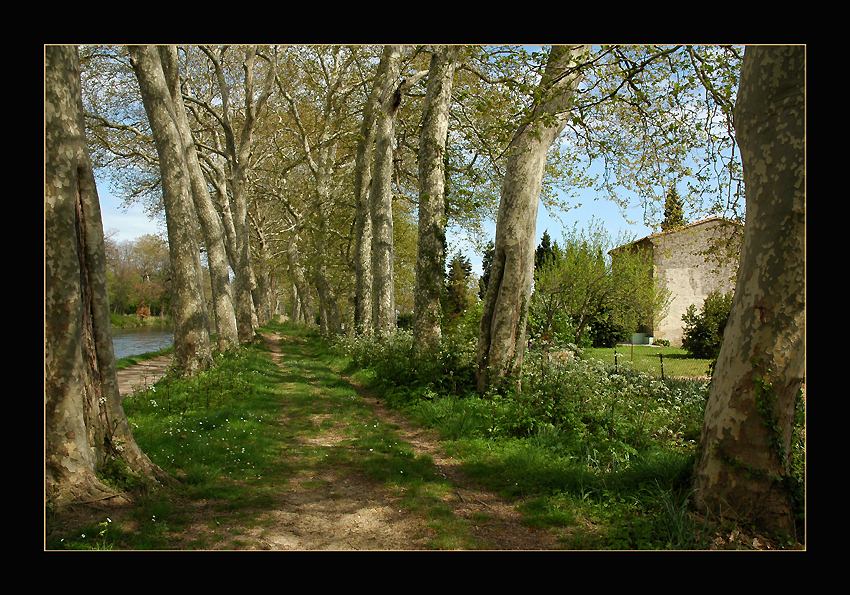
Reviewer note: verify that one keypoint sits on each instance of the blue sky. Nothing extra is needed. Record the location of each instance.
(556, 223)
(129, 223)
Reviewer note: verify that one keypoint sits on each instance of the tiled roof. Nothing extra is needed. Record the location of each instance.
(677, 229)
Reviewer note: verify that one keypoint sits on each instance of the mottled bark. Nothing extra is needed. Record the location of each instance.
(246, 316)
(501, 343)
(431, 247)
(242, 272)
(238, 153)
(295, 311)
(381, 197)
(363, 215)
(299, 279)
(85, 425)
(191, 337)
(263, 300)
(210, 222)
(329, 307)
(331, 322)
(743, 468)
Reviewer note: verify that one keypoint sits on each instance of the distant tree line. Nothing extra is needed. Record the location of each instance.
(138, 276)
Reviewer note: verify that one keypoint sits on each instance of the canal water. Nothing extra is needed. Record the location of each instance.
(134, 341)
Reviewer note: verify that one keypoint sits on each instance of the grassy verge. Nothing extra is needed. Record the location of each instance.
(603, 459)
(218, 433)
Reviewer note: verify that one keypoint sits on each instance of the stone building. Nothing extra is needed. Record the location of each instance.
(691, 261)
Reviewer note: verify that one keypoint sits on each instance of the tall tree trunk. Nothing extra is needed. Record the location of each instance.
(85, 424)
(744, 468)
(191, 337)
(331, 321)
(501, 342)
(381, 197)
(296, 305)
(246, 315)
(264, 278)
(242, 273)
(363, 216)
(211, 225)
(299, 279)
(431, 248)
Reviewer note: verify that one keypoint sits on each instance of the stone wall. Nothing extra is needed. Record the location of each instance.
(689, 274)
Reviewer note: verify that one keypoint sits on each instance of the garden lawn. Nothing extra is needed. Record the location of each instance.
(645, 358)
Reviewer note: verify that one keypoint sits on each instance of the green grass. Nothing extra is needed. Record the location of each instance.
(602, 478)
(235, 437)
(645, 358)
(218, 433)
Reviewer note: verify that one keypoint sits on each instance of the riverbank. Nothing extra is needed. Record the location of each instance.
(133, 321)
(133, 360)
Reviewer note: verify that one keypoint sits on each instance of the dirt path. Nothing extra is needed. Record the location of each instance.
(330, 502)
(142, 374)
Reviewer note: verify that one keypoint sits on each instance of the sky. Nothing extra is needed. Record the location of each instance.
(556, 223)
(128, 223)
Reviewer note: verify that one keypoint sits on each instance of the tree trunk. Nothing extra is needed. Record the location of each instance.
(363, 215)
(211, 225)
(381, 198)
(329, 309)
(85, 424)
(431, 247)
(191, 337)
(264, 279)
(246, 316)
(296, 305)
(501, 342)
(296, 272)
(744, 467)
(244, 301)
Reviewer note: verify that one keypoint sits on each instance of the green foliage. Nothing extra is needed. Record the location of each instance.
(546, 252)
(392, 358)
(458, 295)
(134, 321)
(580, 441)
(703, 330)
(605, 331)
(579, 287)
(486, 265)
(674, 213)
(117, 474)
(137, 277)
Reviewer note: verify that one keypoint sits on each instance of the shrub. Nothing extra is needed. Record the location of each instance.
(703, 331)
(605, 332)
(662, 342)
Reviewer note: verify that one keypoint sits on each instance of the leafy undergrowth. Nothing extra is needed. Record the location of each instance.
(603, 459)
(606, 455)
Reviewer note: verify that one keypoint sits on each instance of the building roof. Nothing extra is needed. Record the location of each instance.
(678, 229)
